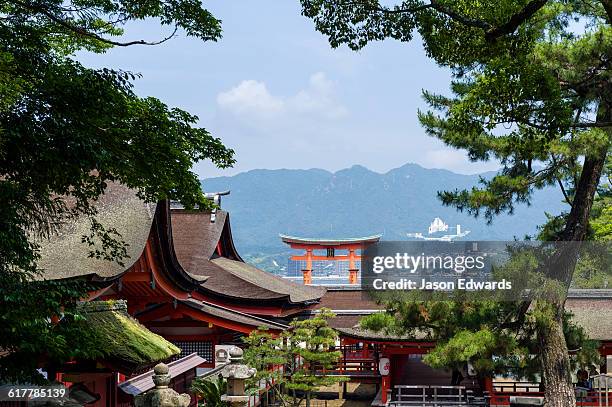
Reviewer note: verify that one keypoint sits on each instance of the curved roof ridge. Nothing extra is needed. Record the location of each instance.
(232, 314)
(255, 317)
(318, 240)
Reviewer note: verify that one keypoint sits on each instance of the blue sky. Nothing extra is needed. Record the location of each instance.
(273, 90)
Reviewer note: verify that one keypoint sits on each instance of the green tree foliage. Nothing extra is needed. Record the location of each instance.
(309, 343)
(494, 337)
(601, 214)
(265, 352)
(305, 351)
(531, 89)
(593, 268)
(66, 131)
(209, 391)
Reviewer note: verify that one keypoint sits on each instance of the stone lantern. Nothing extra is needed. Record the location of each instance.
(162, 395)
(236, 373)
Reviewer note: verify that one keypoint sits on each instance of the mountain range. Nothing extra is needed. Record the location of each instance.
(357, 202)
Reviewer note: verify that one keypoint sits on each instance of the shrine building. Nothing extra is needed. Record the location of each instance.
(182, 283)
(182, 292)
(395, 364)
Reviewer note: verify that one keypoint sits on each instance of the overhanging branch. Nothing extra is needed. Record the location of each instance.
(515, 20)
(491, 32)
(592, 124)
(87, 33)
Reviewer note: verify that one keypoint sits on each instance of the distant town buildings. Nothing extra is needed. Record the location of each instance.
(435, 229)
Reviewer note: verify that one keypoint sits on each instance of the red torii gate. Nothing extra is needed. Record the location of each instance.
(330, 245)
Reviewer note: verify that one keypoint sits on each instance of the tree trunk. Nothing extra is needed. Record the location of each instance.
(558, 388)
(559, 391)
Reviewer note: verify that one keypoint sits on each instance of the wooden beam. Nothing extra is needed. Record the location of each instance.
(133, 276)
(166, 286)
(229, 324)
(340, 257)
(157, 313)
(273, 311)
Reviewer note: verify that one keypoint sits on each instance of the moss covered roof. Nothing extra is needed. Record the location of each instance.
(125, 341)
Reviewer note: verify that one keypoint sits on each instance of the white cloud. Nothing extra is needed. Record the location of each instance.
(318, 98)
(252, 99)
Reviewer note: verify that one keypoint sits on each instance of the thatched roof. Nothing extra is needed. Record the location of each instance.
(65, 255)
(196, 237)
(125, 342)
(256, 283)
(593, 314)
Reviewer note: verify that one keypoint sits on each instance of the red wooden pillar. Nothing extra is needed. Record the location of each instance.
(386, 378)
(308, 270)
(488, 385)
(352, 268)
(384, 388)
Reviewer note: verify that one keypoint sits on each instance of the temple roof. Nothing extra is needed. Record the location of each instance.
(192, 241)
(253, 278)
(329, 242)
(233, 315)
(65, 255)
(123, 340)
(591, 309)
(366, 334)
(593, 314)
(196, 238)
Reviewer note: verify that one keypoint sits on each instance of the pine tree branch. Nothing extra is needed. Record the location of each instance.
(515, 20)
(565, 195)
(592, 124)
(434, 4)
(491, 32)
(607, 4)
(460, 18)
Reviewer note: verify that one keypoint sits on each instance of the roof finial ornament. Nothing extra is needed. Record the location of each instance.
(216, 198)
(212, 196)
